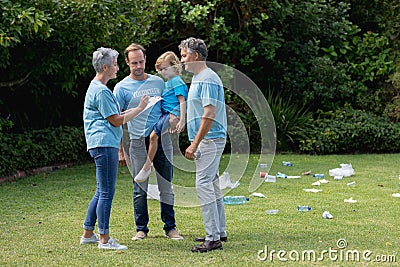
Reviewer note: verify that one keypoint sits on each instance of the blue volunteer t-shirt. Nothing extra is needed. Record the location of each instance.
(129, 92)
(206, 89)
(100, 103)
(174, 87)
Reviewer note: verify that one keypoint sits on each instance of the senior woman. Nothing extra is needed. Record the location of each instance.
(103, 133)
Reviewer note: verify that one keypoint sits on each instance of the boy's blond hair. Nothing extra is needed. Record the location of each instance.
(172, 59)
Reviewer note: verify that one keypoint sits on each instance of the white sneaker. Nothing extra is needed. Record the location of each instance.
(90, 240)
(142, 175)
(112, 244)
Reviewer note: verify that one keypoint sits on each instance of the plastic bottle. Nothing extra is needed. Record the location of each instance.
(272, 211)
(287, 163)
(262, 165)
(281, 175)
(351, 184)
(235, 200)
(303, 208)
(319, 175)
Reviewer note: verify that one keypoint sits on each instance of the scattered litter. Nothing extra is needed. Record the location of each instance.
(270, 179)
(287, 163)
(396, 195)
(293, 176)
(319, 175)
(306, 173)
(262, 165)
(226, 182)
(281, 175)
(272, 211)
(327, 215)
(235, 200)
(345, 170)
(255, 194)
(317, 183)
(338, 177)
(312, 190)
(350, 200)
(351, 184)
(303, 208)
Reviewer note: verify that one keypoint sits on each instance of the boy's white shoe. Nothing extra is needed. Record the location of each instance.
(142, 175)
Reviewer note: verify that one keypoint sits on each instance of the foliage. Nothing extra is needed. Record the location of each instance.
(274, 44)
(38, 148)
(20, 24)
(292, 122)
(392, 109)
(57, 59)
(351, 131)
(5, 124)
(325, 54)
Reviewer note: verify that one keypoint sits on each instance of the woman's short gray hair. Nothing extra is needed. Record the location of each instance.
(193, 45)
(103, 56)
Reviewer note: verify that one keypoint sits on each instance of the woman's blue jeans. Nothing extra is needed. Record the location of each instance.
(106, 159)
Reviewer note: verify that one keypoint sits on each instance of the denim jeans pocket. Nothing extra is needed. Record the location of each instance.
(93, 152)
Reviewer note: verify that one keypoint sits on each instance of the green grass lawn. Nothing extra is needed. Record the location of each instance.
(41, 219)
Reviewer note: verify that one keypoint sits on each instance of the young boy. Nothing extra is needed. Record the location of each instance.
(173, 102)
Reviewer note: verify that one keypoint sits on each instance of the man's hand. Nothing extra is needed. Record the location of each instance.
(189, 153)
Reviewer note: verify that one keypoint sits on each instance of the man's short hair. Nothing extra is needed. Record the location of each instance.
(134, 47)
(193, 45)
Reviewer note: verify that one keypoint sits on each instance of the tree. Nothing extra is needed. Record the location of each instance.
(44, 63)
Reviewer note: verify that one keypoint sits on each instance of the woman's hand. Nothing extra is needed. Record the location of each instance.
(143, 102)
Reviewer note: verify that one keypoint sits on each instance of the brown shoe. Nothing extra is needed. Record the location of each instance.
(174, 235)
(139, 235)
(208, 246)
(202, 239)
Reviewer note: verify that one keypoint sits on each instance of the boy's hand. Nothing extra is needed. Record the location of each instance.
(173, 121)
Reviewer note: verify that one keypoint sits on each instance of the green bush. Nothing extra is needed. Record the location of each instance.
(38, 148)
(351, 131)
(291, 121)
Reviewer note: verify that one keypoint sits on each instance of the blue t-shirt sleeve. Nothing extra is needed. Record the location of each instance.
(107, 104)
(180, 88)
(209, 94)
(119, 95)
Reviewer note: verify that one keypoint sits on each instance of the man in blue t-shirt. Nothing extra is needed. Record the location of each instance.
(207, 125)
(128, 93)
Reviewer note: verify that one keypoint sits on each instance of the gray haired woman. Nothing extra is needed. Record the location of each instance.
(103, 132)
